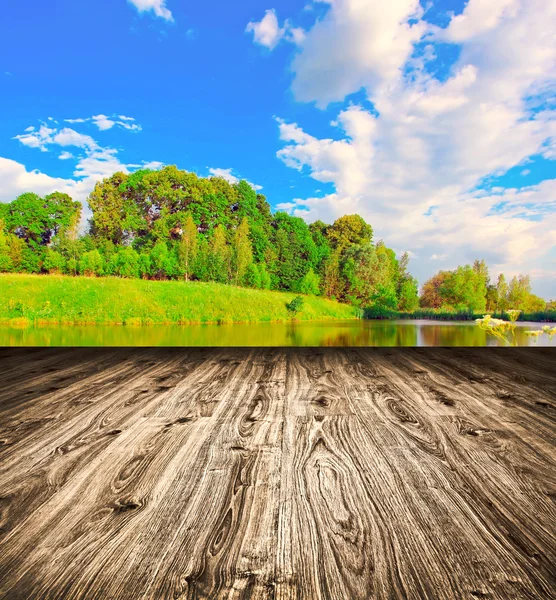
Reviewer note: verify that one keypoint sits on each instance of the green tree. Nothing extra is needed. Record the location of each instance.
(408, 294)
(253, 276)
(349, 230)
(54, 261)
(125, 263)
(116, 215)
(242, 255)
(187, 250)
(310, 284)
(219, 257)
(91, 263)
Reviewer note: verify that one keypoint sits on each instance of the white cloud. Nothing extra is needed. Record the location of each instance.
(267, 32)
(225, 174)
(103, 122)
(153, 164)
(157, 6)
(480, 17)
(409, 165)
(358, 43)
(70, 137)
(94, 164)
(231, 178)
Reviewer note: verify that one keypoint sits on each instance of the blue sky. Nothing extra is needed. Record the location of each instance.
(434, 120)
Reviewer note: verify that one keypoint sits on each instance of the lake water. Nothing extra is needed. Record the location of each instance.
(321, 333)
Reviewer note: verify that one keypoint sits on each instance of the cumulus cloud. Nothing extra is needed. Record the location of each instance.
(93, 162)
(157, 6)
(228, 175)
(268, 33)
(358, 44)
(104, 122)
(412, 164)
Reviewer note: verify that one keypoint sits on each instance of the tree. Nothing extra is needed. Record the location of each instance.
(310, 284)
(54, 261)
(116, 215)
(501, 296)
(294, 248)
(91, 263)
(218, 267)
(431, 294)
(242, 255)
(253, 276)
(349, 230)
(407, 292)
(264, 277)
(359, 270)
(125, 263)
(187, 251)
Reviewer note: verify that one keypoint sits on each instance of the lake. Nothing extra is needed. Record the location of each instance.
(310, 333)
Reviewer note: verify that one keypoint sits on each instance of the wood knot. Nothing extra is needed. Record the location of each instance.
(122, 505)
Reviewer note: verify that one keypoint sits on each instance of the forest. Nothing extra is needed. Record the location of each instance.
(172, 224)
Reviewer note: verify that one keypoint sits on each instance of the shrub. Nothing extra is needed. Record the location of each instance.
(91, 263)
(310, 283)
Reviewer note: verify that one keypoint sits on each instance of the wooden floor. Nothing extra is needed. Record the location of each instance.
(278, 473)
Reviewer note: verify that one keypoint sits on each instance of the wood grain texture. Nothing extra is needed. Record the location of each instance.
(277, 473)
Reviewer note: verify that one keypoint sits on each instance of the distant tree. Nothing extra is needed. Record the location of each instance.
(144, 265)
(242, 255)
(407, 292)
(295, 250)
(187, 251)
(264, 277)
(349, 230)
(54, 261)
(253, 276)
(125, 263)
(359, 270)
(91, 263)
(333, 284)
(431, 293)
(116, 216)
(219, 257)
(310, 284)
(295, 306)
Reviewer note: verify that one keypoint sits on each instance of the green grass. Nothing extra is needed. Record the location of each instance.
(57, 299)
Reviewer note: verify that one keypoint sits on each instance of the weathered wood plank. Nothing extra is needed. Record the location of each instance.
(277, 473)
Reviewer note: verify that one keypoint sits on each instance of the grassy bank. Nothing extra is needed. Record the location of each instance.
(440, 315)
(58, 299)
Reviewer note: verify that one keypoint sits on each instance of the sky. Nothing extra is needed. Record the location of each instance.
(434, 120)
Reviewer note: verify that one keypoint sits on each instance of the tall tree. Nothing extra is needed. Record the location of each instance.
(242, 252)
(187, 250)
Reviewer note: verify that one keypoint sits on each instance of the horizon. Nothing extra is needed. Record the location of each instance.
(438, 128)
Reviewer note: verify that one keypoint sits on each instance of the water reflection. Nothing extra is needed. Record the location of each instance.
(326, 333)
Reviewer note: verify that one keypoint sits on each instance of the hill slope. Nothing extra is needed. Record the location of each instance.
(53, 299)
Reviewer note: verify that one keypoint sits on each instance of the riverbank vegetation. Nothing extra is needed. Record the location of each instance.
(64, 300)
(169, 224)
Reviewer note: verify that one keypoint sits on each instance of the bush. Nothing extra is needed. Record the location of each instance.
(125, 263)
(54, 262)
(253, 276)
(91, 263)
(295, 305)
(310, 283)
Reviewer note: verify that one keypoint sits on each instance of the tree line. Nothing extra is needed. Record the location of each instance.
(469, 288)
(172, 224)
